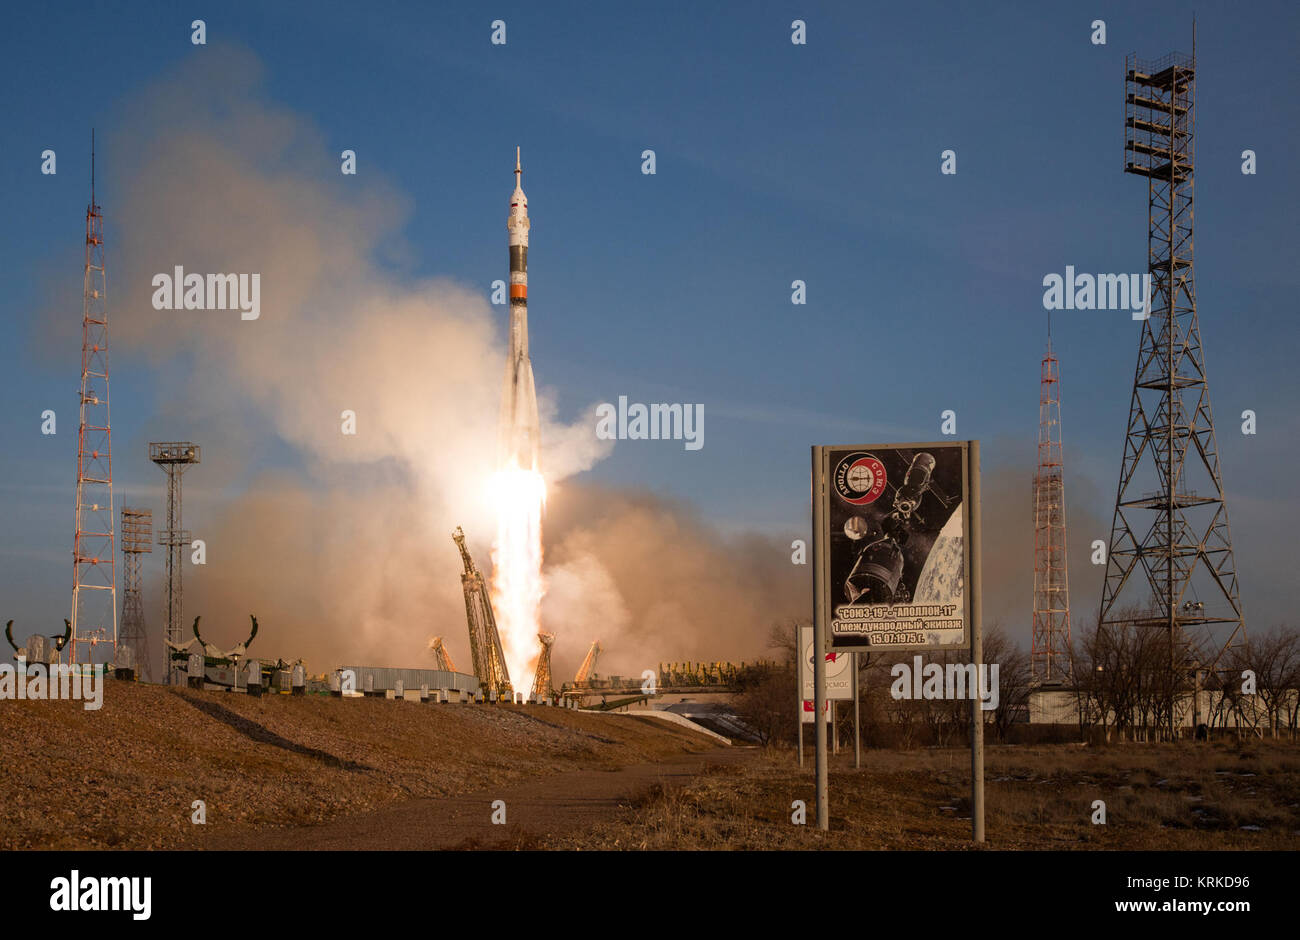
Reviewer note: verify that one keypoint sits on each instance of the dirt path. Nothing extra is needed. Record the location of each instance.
(538, 808)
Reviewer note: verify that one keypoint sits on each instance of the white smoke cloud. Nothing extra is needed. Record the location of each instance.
(348, 557)
(352, 556)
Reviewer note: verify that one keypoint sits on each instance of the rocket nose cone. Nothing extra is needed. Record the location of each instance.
(518, 198)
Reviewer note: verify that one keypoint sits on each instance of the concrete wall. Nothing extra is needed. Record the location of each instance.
(1061, 707)
(385, 679)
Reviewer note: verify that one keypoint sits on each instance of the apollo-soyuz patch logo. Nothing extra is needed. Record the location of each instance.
(859, 479)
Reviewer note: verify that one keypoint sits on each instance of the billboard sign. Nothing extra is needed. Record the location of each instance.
(839, 671)
(894, 563)
(806, 716)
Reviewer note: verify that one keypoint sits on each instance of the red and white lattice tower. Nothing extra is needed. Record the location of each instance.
(1051, 636)
(94, 565)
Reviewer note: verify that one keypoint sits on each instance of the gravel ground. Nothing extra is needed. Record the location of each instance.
(126, 776)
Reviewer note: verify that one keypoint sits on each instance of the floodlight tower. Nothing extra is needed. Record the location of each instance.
(137, 537)
(1170, 545)
(1050, 658)
(94, 565)
(174, 457)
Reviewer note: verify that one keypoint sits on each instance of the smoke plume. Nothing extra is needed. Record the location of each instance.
(344, 551)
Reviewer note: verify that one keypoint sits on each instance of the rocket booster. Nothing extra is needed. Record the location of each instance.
(519, 429)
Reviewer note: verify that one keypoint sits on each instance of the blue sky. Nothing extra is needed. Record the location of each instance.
(775, 162)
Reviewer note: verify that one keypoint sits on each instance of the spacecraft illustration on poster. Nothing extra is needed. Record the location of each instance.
(898, 557)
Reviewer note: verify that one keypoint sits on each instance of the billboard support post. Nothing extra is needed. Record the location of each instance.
(820, 560)
(798, 688)
(857, 731)
(976, 650)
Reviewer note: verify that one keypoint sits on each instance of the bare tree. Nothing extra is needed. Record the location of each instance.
(904, 715)
(1109, 663)
(1015, 678)
(1274, 657)
(1230, 706)
(766, 705)
(767, 701)
(783, 638)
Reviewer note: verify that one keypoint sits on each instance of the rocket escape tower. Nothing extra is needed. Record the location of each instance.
(484, 641)
(1171, 555)
(94, 565)
(1050, 656)
(174, 457)
(137, 533)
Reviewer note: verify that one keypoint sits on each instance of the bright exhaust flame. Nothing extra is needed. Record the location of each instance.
(519, 496)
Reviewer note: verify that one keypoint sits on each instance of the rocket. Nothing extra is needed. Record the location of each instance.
(519, 428)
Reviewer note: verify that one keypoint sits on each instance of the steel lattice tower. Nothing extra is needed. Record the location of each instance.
(94, 565)
(174, 457)
(1171, 555)
(137, 536)
(542, 686)
(440, 653)
(1051, 634)
(484, 640)
(587, 670)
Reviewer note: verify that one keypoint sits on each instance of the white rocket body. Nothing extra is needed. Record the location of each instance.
(520, 433)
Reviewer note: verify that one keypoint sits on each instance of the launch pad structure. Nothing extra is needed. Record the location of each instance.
(441, 655)
(543, 687)
(484, 640)
(587, 671)
(1170, 553)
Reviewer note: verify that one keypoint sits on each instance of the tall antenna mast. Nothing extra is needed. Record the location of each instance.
(94, 564)
(1050, 657)
(136, 536)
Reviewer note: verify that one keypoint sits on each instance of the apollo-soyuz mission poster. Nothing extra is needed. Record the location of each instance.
(898, 558)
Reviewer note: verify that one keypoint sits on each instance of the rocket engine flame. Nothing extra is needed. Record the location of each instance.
(517, 584)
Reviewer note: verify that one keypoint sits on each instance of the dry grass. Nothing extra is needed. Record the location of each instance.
(1157, 797)
(125, 776)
